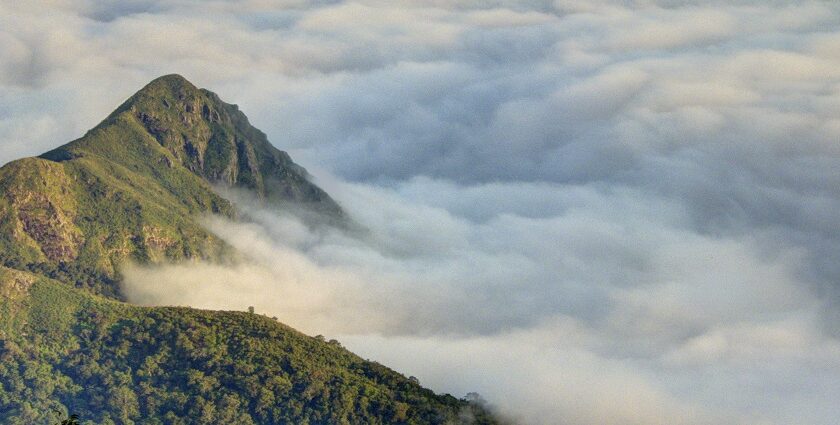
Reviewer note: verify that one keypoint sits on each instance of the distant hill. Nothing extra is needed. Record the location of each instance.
(133, 188)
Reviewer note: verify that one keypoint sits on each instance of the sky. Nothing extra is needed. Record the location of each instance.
(590, 212)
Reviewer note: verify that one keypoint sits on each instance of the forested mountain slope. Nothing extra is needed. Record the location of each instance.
(63, 348)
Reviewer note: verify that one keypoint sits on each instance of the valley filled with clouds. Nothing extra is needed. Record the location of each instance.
(613, 212)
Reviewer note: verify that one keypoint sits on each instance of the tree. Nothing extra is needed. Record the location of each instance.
(72, 420)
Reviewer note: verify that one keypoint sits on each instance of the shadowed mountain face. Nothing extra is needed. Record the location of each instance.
(131, 188)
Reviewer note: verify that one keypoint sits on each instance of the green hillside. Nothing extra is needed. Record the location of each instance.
(134, 188)
(64, 349)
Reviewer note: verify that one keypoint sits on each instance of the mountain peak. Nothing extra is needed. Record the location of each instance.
(171, 79)
(170, 84)
(213, 139)
(137, 175)
(165, 89)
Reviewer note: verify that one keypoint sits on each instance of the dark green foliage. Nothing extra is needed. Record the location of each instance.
(115, 363)
(72, 420)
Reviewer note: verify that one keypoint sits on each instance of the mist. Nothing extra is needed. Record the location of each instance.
(619, 212)
(598, 308)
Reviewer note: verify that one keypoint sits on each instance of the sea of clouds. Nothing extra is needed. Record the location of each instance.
(590, 212)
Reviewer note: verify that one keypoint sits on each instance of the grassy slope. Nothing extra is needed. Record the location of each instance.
(63, 348)
(210, 138)
(132, 187)
(77, 220)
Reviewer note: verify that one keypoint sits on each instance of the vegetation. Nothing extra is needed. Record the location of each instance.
(70, 420)
(64, 349)
(131, 189)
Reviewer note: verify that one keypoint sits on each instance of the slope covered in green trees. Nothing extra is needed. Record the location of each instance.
(110, 362)
(133, 188)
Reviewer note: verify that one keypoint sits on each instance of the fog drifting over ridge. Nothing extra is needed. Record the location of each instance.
(601, 315)
(589, 212)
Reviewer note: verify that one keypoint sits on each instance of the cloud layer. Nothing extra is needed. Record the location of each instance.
(606, 311)
(588, 211)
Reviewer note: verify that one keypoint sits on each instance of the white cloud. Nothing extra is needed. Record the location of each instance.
(649, 185)
(598, 308)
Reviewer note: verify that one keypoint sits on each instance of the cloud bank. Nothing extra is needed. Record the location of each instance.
(588, 211)
(607, 312)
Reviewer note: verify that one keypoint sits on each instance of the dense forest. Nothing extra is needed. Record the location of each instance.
(113, 363)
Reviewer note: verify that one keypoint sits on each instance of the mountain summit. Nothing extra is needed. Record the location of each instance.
(131, 187)
(207, 136)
